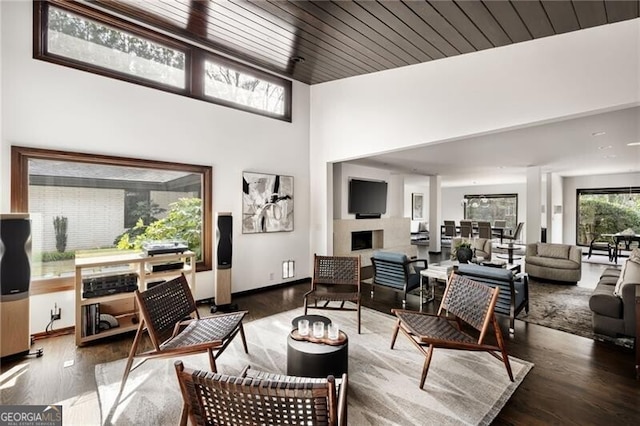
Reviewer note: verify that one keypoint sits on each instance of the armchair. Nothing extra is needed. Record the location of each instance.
(396, 271)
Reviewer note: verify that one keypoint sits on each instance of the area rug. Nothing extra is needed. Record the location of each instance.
(564, 307)
(462, 388)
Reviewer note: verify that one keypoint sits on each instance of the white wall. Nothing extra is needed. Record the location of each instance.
(517, 85)
(54, 107)
(572, 184)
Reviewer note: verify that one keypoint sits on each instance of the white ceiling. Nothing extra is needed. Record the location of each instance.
(570, 147)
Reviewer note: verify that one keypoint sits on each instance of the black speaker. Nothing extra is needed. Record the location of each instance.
(224, 236)
(15, 253)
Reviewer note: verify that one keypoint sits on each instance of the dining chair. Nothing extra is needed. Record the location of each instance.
(469, 302)
(450, 228)
(515, 236)
(484, 230)
(466, 229)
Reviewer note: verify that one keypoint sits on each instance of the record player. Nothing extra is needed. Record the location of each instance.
(153, 248)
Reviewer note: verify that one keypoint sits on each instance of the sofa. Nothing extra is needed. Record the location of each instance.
(481, 247)
(613, 301)
(396, 271)
(514, 288)
(553, 262)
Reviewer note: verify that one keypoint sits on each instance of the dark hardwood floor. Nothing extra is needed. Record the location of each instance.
(574, 381)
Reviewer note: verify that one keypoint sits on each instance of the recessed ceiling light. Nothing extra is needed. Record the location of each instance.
(609, 156)
(633, 144)
(605, 147)
(598, 133)
(502, 167)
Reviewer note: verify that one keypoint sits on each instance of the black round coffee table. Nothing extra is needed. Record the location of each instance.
(308, 359)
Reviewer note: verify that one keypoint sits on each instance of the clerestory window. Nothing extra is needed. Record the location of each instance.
(76, 35)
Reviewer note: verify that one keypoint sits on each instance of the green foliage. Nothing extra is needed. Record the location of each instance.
(183, 222)
(599, 217)
(60, 225)
(145, 211)
(462, 243)
(54, 256)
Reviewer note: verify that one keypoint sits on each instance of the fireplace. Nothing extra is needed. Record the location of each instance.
(361, 240)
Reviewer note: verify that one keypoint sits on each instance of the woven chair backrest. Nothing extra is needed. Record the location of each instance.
(337, 270)
(221, 399)
(164, 305)
(469, 300)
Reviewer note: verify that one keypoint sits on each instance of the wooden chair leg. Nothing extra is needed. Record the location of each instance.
(184, 415)
(425, 367)
(395, 333)
(212, 361)
(359, 316)
(132, 354)
(244, 339)
(500, 340)
(305, 306)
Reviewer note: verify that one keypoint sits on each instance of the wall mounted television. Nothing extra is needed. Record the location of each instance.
(367, 198)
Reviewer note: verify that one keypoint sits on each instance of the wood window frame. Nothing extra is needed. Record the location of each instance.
(194, 58)
(20, 157)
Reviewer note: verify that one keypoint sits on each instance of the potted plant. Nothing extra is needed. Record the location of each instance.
(462, 251)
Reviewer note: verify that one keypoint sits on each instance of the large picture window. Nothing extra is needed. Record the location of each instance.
(93, 205)
(492, 207)
(76, 35)
(606, 211)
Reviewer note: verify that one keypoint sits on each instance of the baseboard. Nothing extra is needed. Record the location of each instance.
(59, 332)
(211, 300)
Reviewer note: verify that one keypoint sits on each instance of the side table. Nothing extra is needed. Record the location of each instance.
(309, 359)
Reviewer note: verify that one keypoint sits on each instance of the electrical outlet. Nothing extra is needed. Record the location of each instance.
(271, 274)
(56, 313)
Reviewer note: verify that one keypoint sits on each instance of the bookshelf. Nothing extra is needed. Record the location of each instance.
(136, 268)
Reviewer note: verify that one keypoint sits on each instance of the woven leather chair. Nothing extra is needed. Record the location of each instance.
(166, 314)
(469, 302)
(335, 279)
(258, 398)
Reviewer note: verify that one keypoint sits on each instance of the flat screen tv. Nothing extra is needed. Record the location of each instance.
(367, 198)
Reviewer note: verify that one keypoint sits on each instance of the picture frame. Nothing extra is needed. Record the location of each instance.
(417, 206)
(267, 203)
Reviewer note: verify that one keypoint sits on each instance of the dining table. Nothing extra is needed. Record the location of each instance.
(497, 231)
(622, 237)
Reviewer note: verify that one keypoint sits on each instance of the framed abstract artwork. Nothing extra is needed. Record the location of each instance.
(417, 206)
(267, 203)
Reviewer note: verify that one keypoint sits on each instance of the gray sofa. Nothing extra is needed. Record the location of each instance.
(514, 289)
(613, 301)
(554, 262)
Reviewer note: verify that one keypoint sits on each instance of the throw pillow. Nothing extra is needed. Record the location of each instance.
(635, 255)
(557, 251)
(630, 274)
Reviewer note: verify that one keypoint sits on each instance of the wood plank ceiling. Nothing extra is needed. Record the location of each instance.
(319, 41)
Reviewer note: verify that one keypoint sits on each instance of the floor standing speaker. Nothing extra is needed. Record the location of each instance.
(15, 277)
(224, 250)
